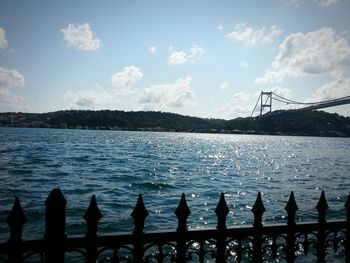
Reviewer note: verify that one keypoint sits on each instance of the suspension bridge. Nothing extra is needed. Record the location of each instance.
(265, 99)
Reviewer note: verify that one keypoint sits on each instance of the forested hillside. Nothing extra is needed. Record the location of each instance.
(315, 123)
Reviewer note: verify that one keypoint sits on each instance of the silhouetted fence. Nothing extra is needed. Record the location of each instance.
(256, 243)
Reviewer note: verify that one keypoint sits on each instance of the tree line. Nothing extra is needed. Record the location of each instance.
(289, 122)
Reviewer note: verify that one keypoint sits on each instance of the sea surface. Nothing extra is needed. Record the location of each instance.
(117, 165)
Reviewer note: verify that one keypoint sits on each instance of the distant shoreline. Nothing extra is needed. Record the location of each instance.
(284, 123)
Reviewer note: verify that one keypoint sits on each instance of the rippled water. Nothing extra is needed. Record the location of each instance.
(117, 166)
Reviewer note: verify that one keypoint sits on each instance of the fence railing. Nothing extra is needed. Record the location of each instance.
(255, 243)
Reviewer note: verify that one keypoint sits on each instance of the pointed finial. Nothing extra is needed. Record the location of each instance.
(182, 212)
(16, 220)
(55, 214)
(92, 216)
(221, 212)
(56, 197)
(258, 210)
(291, 209)
(139, 215)
(322, 207)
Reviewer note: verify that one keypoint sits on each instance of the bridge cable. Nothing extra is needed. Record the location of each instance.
(306, 103)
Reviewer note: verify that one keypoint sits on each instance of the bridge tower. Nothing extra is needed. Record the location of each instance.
(267, 103)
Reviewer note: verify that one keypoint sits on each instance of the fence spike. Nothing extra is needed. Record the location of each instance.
(92, 216)
(322, 207)
(221, 212)
(55, 213)
(139, 215)
(182, 212)
(291, 209)
(16, 220)
(55, 226)
(258, 210)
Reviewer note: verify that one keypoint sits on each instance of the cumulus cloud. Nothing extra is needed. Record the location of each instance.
(126, 78)
(3, 41)
(283, 92)
(152, 50)
(81, 37)
(11, 78)
(251, 36)
(177, 58)
(237, 106)
(332, 90)
(90, 99)
(10, 102)
(165, 96)
(181, 57)
(317, 52)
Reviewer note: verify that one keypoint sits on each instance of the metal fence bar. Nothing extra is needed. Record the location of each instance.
(92, 216)
(55, 227)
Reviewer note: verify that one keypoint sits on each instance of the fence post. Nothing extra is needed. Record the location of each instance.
(92, 216)
(347, 235)
(291, 209)
(55, 226)
(221, 212)
(182, 212)
(258, 210)
(322, 207)
(15, 220)
(139, 215)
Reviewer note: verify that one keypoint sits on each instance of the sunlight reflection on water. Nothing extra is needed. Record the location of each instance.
(117, 166)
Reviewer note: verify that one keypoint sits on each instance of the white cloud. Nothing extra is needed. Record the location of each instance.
(3, 41)
(181, 57)
(81, 37)
(177, 58)
(196, 52)
(165, 96)
(152, 50)
(317, 52)
(10, 102)
(331, 90)
(236, 107)
(91, 99)
(251, 36)
(11, 78)
(240, 96)
(283, 92)
(224, 86)
(126, 78)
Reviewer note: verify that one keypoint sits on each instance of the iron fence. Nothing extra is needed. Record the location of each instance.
(252, 243)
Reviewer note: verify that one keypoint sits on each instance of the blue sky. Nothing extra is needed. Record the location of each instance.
(196, 57)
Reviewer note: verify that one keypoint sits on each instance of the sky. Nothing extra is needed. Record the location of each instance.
(200, 58)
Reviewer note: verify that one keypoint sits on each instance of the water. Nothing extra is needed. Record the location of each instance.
(117, 166)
